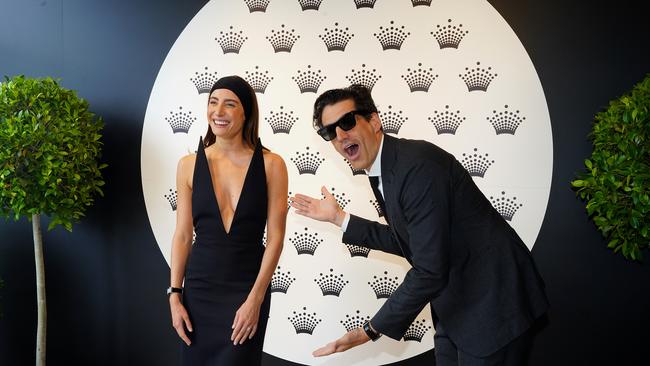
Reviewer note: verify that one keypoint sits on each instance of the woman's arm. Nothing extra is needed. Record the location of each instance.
(247, 316)
(181, 244)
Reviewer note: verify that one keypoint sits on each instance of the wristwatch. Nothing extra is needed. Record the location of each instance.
(171, 290)
(372, 334)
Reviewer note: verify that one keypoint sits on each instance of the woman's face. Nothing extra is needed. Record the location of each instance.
(225, 114)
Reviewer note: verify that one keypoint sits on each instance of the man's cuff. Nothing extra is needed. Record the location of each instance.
(346, 221)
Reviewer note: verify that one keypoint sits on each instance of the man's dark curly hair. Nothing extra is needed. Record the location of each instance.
(357, 92)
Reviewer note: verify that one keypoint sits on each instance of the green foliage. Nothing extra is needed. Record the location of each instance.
(49, 150)
(616, 185)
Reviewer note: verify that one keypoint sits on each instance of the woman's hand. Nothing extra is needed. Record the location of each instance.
(180, 317)
(245, 324)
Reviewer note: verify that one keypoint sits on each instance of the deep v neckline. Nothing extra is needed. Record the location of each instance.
(241, 193)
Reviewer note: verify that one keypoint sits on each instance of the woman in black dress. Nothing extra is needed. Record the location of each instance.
(227, 192)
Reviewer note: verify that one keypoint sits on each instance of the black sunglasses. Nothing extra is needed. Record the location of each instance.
(346, 122)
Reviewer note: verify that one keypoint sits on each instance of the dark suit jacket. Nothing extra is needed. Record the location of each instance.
(466, 260)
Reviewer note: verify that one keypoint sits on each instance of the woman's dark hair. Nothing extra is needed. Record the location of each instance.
(357, 92)
(248, 99)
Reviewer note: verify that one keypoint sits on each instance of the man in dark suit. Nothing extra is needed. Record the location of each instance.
(467, 262)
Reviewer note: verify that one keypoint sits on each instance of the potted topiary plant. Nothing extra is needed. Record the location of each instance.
(616, 185)
(49, 164)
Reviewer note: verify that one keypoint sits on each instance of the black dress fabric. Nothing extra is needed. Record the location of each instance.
(223, 266)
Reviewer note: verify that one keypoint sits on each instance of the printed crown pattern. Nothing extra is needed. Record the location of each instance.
(363, 76)
(506, 121)
(391, 37)
(475, 164)
(180, 121)
(357, 250)
(449, 36)
(336, 39)
(421, 3)
(280, 282)
(172, 198)
(257, 5)
(231, 41)
(478, 78)
(340, 198)
(308, 81)
(354, 171)
(307, 162)
(305, 243)
(281, 122)
(416, 331)
(331, 284)
(258, 80)
(384, 286)
(392, 121)
(419, 79)
(365, 3)
(506, 206)
(377, 207)
(204, 81)
(304, 322)
(310, 4)
(447, 121)
(354, 321)
(282, 40)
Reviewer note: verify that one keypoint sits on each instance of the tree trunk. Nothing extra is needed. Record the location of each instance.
(40, 290)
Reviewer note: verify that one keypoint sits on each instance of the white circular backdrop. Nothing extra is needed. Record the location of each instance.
(451, 72)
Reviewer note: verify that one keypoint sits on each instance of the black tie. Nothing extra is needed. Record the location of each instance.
(374, 183)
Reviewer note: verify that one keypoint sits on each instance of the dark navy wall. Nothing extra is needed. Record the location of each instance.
(105, 280)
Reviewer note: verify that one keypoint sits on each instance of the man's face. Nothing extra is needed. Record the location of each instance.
(360, 144)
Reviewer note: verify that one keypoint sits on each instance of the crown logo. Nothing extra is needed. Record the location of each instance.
(365, 77)
(357, 250)
(475, 164)
(257, 5)
(304, 322)
(281, 122)
(310, 4)
(308, 81)
(280, 281)
(392, 37)
(506, 206)
(355, 171)
(340, 198)
(354, 321)
(477, 78)
(204, 81)
(331, 284)
(421, 3)
(365, 3)
(306, 162)
(447, 121)
(377, 207)
(282, 40)
(305, 243)
(416, 331)
(193, 237)
(449, 36)
(172, 197)
(231, 41)
(506, 122)
(258, 80)
(392, 121)
(180, 121)
(289, 201)
(336, 39)
(419, 79)
(384, 286)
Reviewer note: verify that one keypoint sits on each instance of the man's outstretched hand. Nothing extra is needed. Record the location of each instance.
(326, 209)
(351, 339)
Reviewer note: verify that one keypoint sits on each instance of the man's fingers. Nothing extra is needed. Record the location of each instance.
(325, 351)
